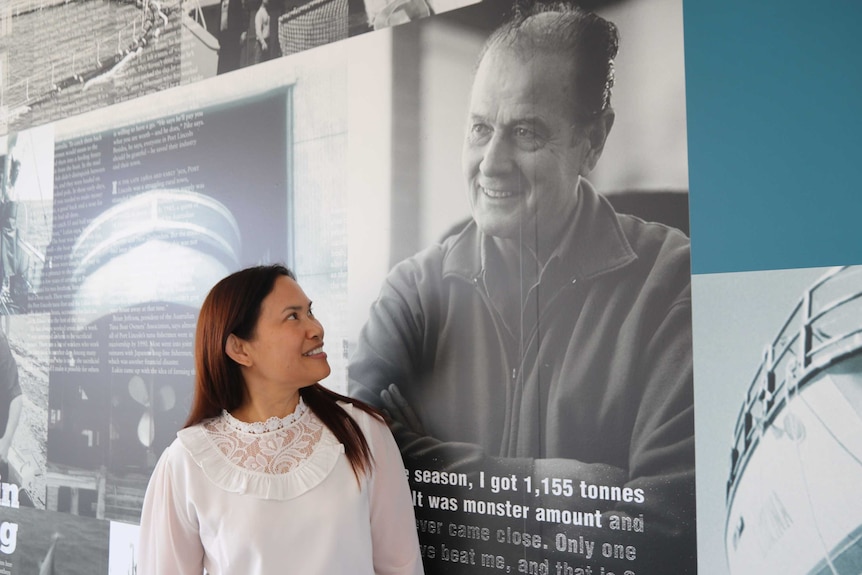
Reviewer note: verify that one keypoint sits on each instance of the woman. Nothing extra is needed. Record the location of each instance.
(273, 473)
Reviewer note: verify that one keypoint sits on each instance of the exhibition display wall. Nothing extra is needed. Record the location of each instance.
(667, 412)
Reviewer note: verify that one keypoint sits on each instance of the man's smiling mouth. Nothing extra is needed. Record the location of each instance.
(498, 194)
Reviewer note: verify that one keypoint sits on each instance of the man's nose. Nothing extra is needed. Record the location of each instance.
(497, 157)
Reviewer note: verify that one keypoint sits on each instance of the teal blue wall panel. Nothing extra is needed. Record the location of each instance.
(774, 103)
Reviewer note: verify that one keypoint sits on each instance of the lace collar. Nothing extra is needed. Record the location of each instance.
(271, 424)
(279, 465)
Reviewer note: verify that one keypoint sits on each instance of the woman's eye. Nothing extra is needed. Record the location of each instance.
(292, 315)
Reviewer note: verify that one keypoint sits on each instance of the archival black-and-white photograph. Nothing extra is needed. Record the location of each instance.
(34, 541)
(66, 57)
(24, 405)
(778, 363)
(25, 213)
(380, 14)
(224, 35)
(26, 197)
(523, 314)
(220, 36)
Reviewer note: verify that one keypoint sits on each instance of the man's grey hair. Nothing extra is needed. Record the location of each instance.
(562, 28)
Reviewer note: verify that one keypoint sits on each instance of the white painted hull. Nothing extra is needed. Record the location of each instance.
(796, 506)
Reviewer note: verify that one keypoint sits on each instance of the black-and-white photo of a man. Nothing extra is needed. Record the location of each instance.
(550, 334)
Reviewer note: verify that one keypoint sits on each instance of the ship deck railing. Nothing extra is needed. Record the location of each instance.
(824, 327)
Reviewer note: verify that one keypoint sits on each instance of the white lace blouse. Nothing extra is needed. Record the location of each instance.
(277, 497)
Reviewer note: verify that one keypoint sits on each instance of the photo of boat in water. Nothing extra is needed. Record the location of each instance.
(778, 360)
(65, 57)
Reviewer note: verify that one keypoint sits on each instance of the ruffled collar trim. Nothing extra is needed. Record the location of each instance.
(306, 475)
(271, 424)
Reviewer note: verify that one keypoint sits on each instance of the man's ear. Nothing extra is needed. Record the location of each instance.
(598, 135)
(235, 348)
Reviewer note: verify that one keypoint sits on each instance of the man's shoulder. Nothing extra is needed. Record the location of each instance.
(457, 253)
(663, 263)
(656, 242)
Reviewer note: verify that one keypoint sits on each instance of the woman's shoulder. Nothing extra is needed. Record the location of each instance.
(174, 458)
(187, 440)
(362, 417)
(374, 428)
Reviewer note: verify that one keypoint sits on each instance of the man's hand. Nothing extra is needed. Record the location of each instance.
(15, 408)
(261, 26)
(5, 444)
(399, 411)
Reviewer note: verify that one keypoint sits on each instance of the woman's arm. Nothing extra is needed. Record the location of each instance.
(169, 542)
(393, 525)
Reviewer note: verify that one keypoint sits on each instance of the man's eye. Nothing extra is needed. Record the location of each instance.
(479, 131)
(527, 139)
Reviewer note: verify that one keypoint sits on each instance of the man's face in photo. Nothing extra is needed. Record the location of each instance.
(523, 151)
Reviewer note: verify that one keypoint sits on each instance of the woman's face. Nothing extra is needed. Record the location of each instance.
(286, 348)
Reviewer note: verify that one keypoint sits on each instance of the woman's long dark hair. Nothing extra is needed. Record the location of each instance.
(233, 307)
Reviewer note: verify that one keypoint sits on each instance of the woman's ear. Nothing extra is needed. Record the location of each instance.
(236, 349)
